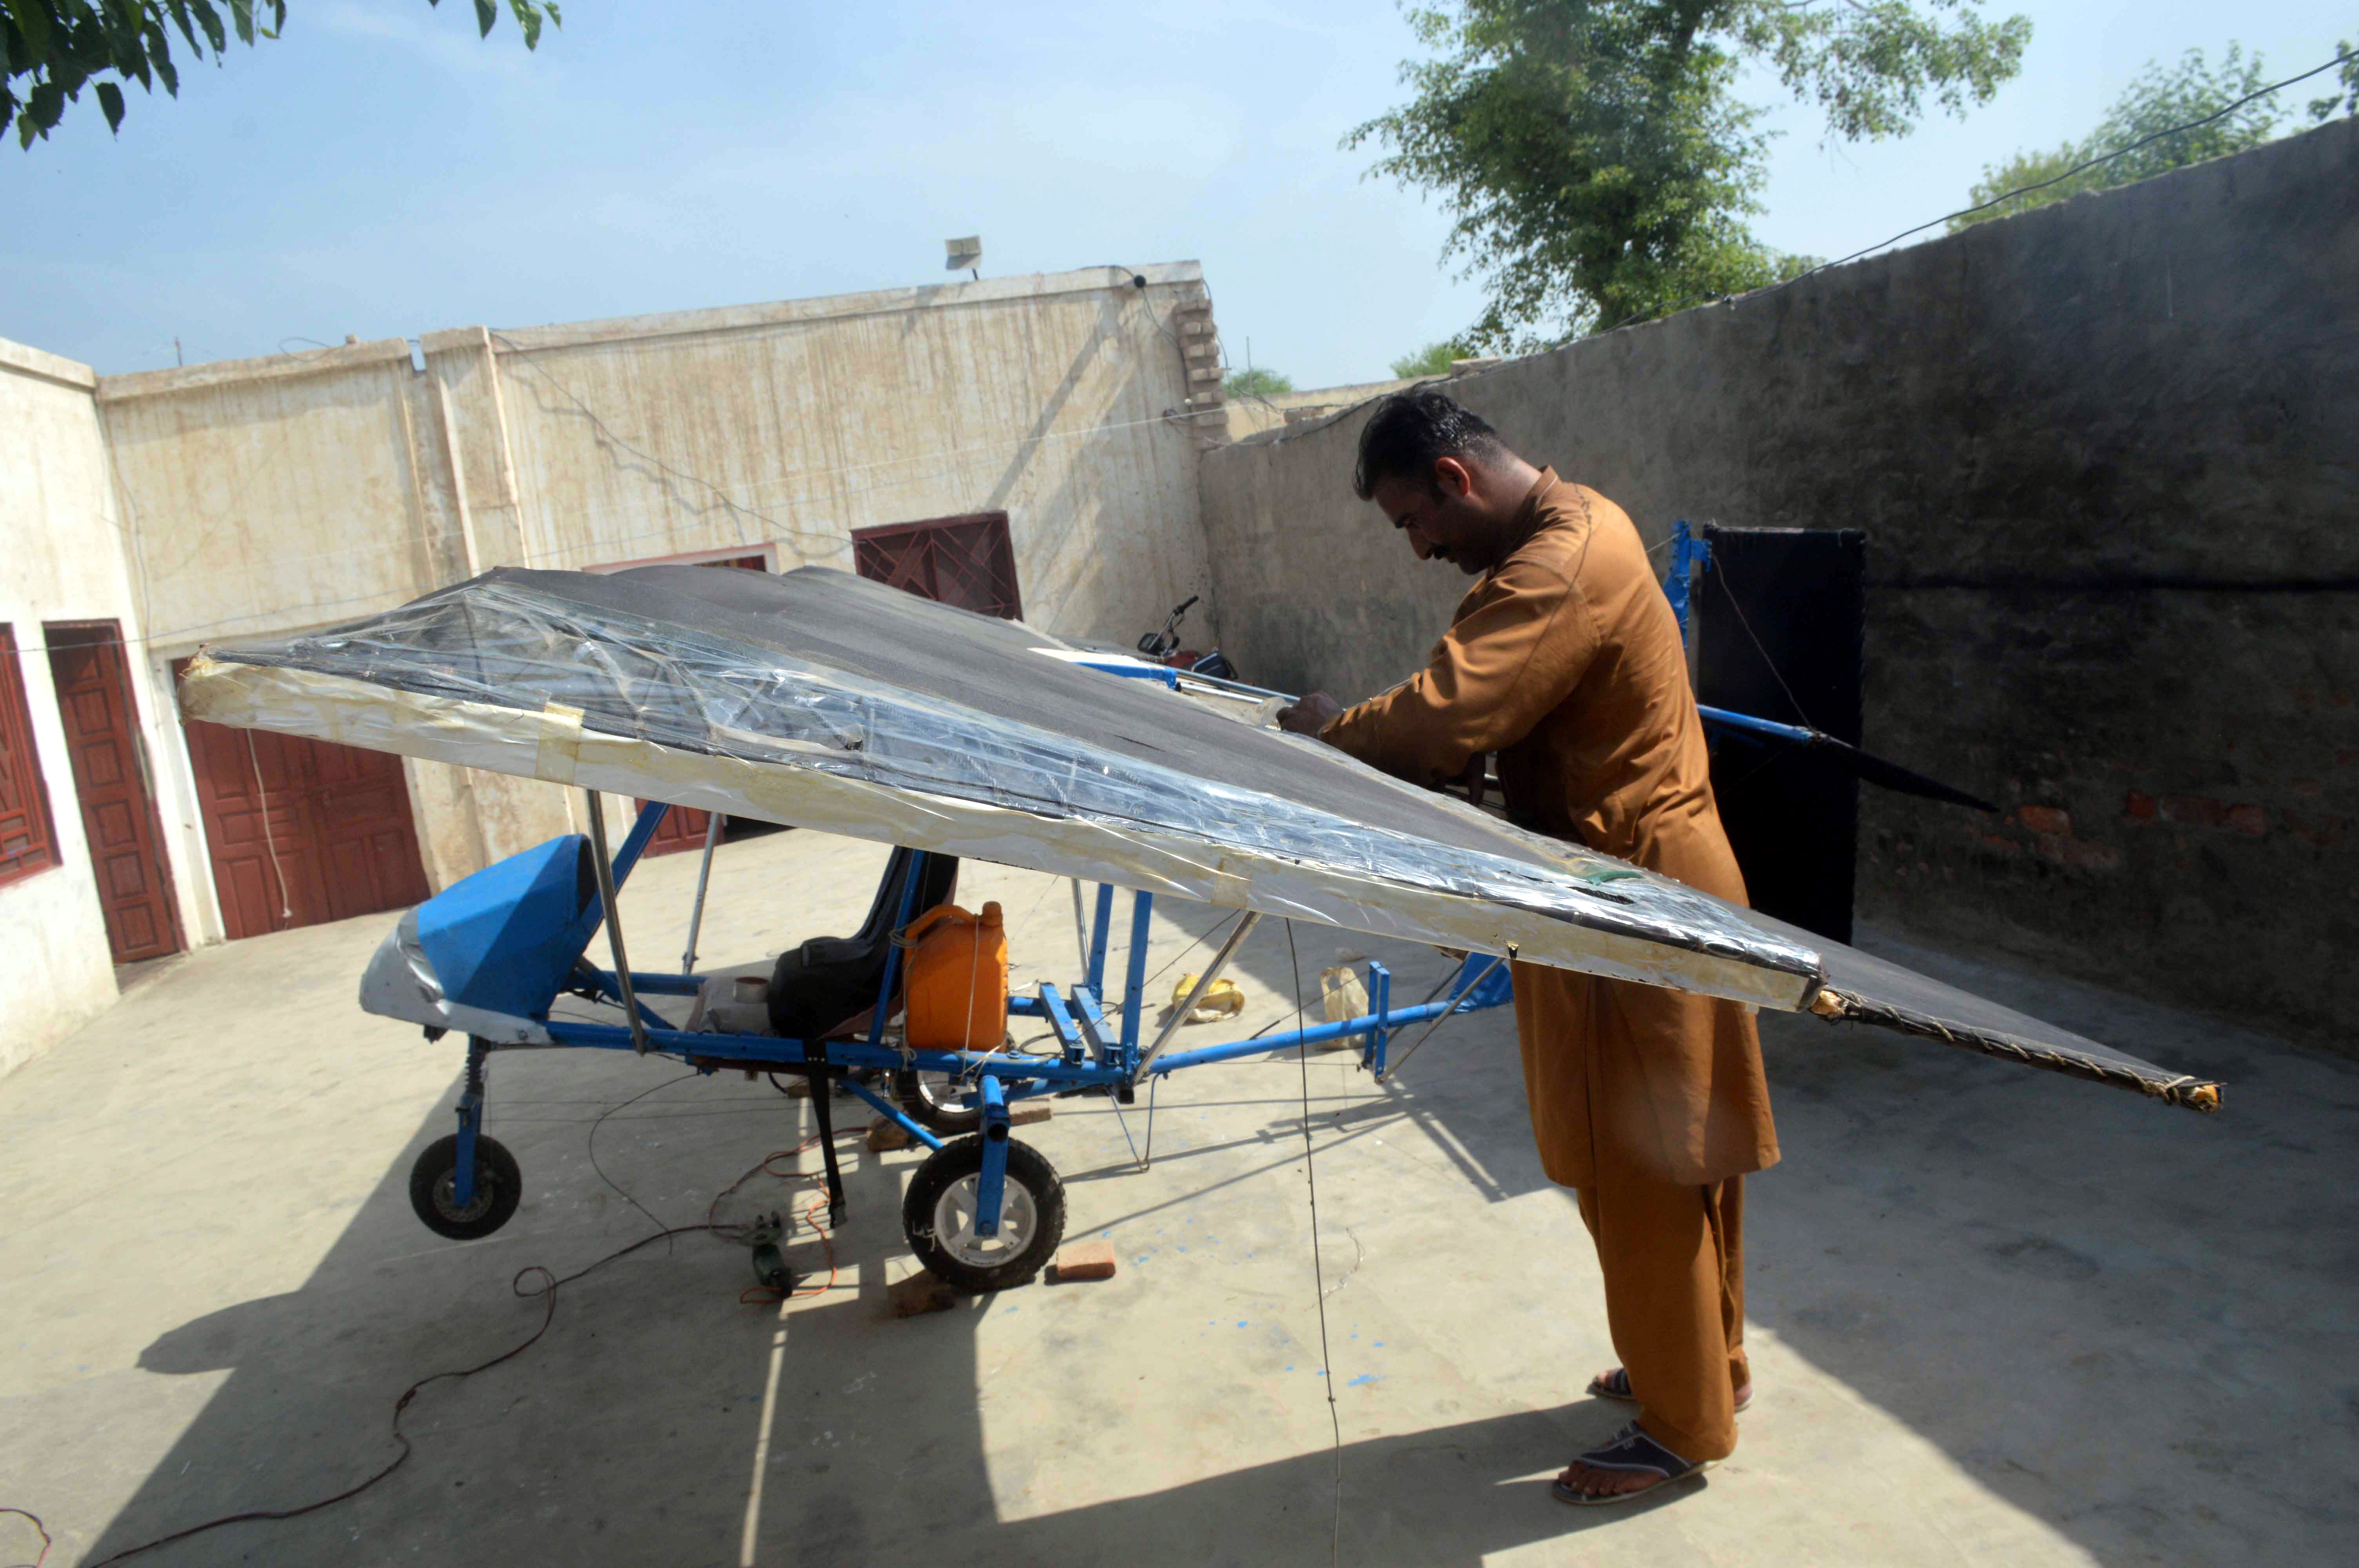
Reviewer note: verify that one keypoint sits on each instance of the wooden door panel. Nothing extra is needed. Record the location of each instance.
(338, 827)
(681, 828)
(119, 823)
(966, 561)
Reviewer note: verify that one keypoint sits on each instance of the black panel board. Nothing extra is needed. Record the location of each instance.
(1780, 620)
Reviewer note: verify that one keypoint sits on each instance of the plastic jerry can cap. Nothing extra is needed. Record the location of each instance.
(991, 913)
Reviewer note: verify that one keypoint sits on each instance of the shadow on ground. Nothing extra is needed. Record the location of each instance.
(2117, 1318)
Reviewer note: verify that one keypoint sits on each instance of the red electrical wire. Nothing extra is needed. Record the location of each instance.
(44, 1530)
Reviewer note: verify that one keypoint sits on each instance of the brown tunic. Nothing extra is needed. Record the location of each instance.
(1566, 661)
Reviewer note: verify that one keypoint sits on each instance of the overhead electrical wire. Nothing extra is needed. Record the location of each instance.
(2005, 196)
(1633, 319)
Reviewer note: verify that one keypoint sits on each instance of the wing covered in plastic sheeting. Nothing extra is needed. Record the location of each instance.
(823, 700)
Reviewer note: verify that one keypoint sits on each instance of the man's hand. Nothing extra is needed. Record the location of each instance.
(1473, 779)
(1309, 715)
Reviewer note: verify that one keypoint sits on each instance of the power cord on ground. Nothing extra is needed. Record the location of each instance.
(546, 1293)
(39, 1528)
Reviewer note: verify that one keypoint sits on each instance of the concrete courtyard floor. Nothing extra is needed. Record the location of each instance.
(1997, 1315)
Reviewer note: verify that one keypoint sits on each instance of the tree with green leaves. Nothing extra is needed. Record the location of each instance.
(1255, 380)
(1434, 359)
(2345, 96)
(1599, 162)
(2138, 128)
(55, 48)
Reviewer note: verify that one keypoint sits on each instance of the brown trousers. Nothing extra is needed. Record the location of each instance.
(1673, 1258)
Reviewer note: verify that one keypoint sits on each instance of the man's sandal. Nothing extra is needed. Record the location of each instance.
(1634, 1452)
(1615, 1385)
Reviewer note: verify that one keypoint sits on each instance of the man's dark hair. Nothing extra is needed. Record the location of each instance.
(1410, 429)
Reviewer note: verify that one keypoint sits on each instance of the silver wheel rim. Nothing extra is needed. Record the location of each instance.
(446, 1195)
(1019, 1221)
(942, 1091)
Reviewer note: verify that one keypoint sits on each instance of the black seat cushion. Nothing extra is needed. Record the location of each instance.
(818, 987)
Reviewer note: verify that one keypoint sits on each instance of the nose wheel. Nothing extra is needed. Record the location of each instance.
(434, 1188)
(940, 1215)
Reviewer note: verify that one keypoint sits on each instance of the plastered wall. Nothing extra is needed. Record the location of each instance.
(63, 561)
(2107, 453)
(277, 495)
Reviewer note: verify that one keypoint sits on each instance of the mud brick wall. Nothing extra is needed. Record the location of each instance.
(2107, 453)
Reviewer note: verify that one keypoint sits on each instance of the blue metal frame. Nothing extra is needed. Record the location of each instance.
(1095, 1051)
(471, 1123)
(1689, 550)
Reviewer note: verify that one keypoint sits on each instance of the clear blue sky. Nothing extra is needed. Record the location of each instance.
(381, 172)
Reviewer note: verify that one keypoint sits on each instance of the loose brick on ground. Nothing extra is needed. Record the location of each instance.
(1085, 1260)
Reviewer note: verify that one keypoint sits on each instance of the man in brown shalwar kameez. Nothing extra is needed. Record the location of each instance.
(1564, 659)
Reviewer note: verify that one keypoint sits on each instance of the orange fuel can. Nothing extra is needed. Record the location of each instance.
(957, 988)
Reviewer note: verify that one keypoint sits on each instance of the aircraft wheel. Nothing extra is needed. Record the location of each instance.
(433, 1183)
(933, 1100)
(937, 1216)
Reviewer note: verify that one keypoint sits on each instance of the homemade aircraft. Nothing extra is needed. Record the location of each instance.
(823, 701)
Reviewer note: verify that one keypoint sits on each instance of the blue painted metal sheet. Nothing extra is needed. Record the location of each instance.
(504, 939)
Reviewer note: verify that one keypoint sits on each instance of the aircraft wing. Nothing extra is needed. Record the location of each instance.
(823, 700)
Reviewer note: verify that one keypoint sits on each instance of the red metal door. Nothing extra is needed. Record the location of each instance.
(966, 561)
(302, 831)
(118, 813)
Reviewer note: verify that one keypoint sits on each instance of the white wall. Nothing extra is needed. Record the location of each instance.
(61, 559)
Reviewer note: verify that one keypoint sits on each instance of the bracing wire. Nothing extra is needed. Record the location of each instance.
(1318, 1264)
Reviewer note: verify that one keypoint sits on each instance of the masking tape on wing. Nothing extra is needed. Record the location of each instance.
(560, 744)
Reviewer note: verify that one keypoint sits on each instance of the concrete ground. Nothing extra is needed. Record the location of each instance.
(1996, 1316)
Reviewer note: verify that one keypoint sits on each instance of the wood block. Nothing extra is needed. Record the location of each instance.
(921, 1293)
(884, 1136)
(1025, 1112)
(1085, 1260)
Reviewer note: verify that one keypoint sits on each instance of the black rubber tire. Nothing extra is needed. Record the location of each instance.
(499, 1187)
(954, 1163)
(926, 1112)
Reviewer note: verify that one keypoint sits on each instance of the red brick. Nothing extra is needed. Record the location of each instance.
(1085, 1260)
(2325, 832)
(2080, 854)
(2044, 818)
(2137, 806)
(2195, 808)
(2250, 820)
